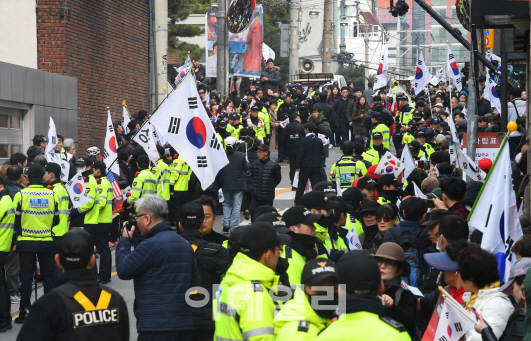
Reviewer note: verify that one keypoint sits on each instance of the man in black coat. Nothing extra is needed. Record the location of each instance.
(285, 110)
(381, 107)
(343, 117)
(266, 177)
(270, 77)
(292, 137)
(309, 159)
(328, 110)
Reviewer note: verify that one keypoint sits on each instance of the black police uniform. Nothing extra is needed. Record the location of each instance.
(285, 110)
(292, 137)
(78, 308)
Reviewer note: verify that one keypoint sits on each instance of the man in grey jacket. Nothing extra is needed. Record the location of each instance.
(233, 185)
(270, 77)
(516, 112)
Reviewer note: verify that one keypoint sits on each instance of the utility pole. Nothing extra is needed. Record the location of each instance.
(327, 36)
(294, 8)
(472, 124)
(223, 50)
(342, 44)
(366, 38)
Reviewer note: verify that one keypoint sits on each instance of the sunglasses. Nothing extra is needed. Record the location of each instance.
(368, 214)
(385, 220)
(386, 263)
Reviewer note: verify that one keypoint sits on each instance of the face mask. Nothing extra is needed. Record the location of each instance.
(330, 311)
(326, 221)
(80, 169)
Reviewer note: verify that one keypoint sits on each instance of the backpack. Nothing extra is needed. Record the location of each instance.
(411, 254)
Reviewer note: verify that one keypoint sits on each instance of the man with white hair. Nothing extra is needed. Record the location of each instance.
(163, 267)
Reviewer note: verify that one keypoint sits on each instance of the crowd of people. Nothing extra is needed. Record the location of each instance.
(359, 255)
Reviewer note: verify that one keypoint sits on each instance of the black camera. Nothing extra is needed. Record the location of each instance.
(131, 221)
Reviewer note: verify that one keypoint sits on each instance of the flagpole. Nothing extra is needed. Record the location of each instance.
(149, 118)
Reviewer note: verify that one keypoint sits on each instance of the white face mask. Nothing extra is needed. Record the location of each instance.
(80, 169)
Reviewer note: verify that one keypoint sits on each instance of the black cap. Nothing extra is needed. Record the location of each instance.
(376, 114)
(89, 160)
(327, 187)
(234, 238)
(262, 210)
(143, 160)
(435, 217)
(35, 172)
(191, 211)
(388, 180)
(412, 123)
(317, 270)
(222, 124)
(234, 117)
(260, 237)
(52, 167)
(371, 206)
(417, 113)
(366, 182)
(317, 199)
(75, 249)
(353, 196)
(430, 133)
(421, 104)
(360, 272)
(419, 133)
(274, 219)
(415, 145)
(299, 214)
(255, 108)
(100, 165)
(436, 120)
(377, 135)
(80, 162)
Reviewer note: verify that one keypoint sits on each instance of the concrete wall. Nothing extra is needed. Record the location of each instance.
(18, 32)
(39, 95)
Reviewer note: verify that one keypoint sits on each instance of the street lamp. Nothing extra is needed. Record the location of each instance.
(314, 14)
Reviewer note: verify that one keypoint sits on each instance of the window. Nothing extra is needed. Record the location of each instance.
(3, 121)
(11, 135)
(438, 54)
(439, 2)
(15, 122)
(439, 35)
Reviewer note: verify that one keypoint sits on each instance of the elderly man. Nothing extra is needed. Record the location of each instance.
(270, 77)
(163, 266)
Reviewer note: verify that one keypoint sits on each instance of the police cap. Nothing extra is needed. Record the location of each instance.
(75, 249)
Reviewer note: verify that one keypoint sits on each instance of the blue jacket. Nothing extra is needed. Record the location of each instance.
(163, 267)
(406, 228)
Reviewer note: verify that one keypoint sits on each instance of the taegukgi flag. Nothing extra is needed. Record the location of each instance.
(491, 94)
(408, 161)
(52, 138)
(389, 164)
(453, 323)
(125, 119)
(452, 69)
(422, 75)
(495, 214)
(110, 149)
(381, 74)
(77, 191)
(182, 120)
(65, 165)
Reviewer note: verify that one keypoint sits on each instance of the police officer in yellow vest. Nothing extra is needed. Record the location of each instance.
(408, 134)
(302, 317)
(236, 125)
(179, 178)
(144, 183)
(163, 181)
(378, 150)
(417, 152)
(354, 221)
(403, 115)
(347, 168)
(243, 308)
(100, 233)
(364, 315)
(304, 246)
(87, 216)
(316, 202)
(52, 179)
(79, 308)
(378, 127)
(7, 224)
(420, 137)
(389, 189)
(36, 212)
(257, 124)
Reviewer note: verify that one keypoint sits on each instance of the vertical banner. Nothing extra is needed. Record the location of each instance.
(245, 48)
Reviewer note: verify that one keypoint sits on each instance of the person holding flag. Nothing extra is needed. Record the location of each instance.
(101, 233)
(87, 215)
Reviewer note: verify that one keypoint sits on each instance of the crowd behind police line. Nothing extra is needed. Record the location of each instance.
(310, 244)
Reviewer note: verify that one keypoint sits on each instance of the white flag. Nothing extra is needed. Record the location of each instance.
(110, 149)
(453, 70)
(453, 324)
(146, 139)
(284, 123)
(434, 80)
(495, 214)
(65, 165)
(408, 161)
(418, 192)
(183, 122)
(52, 138)
(468, 166)
(491, 56)
(267, 52)
(441, 74)
(491, 94)
(389, 164)
(161, 138)
(422, 76)
(125, 119)
(381, 74)
(77, 191)
(338, 187)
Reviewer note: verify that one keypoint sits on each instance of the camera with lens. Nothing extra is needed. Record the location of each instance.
(131, 221)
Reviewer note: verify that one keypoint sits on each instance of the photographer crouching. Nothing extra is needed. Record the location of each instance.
(163, 267)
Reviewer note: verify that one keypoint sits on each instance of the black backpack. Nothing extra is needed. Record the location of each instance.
(411, 254)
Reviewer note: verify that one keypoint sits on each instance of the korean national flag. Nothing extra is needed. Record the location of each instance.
(182, 120)
(77, 191)
(110, 150)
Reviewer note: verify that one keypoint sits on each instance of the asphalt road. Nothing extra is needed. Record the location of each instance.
(283, 200)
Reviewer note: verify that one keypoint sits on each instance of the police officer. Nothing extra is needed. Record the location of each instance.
(377, 150)
(237, 126)
(36, 211)
(379, 127)
(256, 123)
(79, 308)
(179, 178)
(291, 138)
(87, 216)
(348, 168)
(52, 179)
(284, 111)
(100, 233)
(313, 317)
(354, 199)
(145, 182)
(403, 116)
(366, 317)
(389, 189)
(7, 224)
(212, 261)
(244, 290)
(163, 177)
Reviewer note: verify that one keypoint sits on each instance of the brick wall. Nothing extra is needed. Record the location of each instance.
(105, 46)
